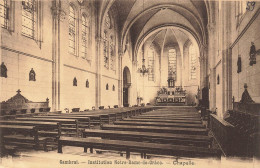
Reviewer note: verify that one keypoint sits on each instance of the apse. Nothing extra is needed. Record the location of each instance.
(171, 57)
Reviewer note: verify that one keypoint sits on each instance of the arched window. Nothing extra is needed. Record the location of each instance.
(192, 61)
(105, 46)
(172, 64)
(151, 65)
(108, 21)
(4, 13)
(72, 31)
(84, 36)
(29, 18)
(109, 44)
(112, 53)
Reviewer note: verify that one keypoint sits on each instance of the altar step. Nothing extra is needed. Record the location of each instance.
(170, 104)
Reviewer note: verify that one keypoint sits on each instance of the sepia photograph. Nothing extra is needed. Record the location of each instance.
(129, 83)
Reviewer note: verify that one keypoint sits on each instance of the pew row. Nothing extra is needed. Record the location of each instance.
(192, 131)
(181, 139)
(163, 120)
(157, 124)
(15, 137)
(170, 118)
(68, 127)
(139, 147)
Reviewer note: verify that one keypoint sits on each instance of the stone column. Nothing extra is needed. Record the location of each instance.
(120, 83)
(99, 54)
(57, 15)
(129, 94)
(227, 57)
(134, 82)
(203, 67)
(212, 69)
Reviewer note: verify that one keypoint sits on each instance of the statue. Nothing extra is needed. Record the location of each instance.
(246, 98)
(252, 54)
(113, 87)
(164, 90)
(75, 82)
(87, 84)
(32, 75)
(239, 68)
(3, 70)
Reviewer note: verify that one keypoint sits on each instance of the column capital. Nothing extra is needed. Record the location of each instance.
(58, 13)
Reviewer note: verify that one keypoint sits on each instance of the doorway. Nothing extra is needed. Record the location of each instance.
(126, 86)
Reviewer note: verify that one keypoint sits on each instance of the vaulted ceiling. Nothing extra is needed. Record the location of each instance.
(164, 21)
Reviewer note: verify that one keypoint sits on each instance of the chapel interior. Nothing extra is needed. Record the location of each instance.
(136, 78)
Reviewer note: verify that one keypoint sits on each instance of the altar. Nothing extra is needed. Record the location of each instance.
(171, 96)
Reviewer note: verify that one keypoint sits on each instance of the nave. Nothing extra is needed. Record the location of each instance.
(116, 136)
(130, 79)
(149, 131)
(139, 133)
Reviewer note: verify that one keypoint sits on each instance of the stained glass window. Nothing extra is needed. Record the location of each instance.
(192, 62)
(151, 65)
(172, 64)
(72, 31)
(84, 36)
(106, 58)
(3, 13)
(29, 18)
(107, 21)
(109, 44)
(112, 53)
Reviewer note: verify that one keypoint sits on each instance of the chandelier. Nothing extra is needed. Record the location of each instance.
(143, 70)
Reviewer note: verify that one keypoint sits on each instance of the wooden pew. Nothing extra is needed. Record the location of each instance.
(162, 120)
(83, 122)
(24, 137)
(68, 126)
(223, 132)
(172, 118)
(157, 124)
(192, 131)
(30, 123)
(104, 115)
(92, 119)
(157, 113)
(181, 139)
(46, 126)
(140, 147)
(171, 115)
